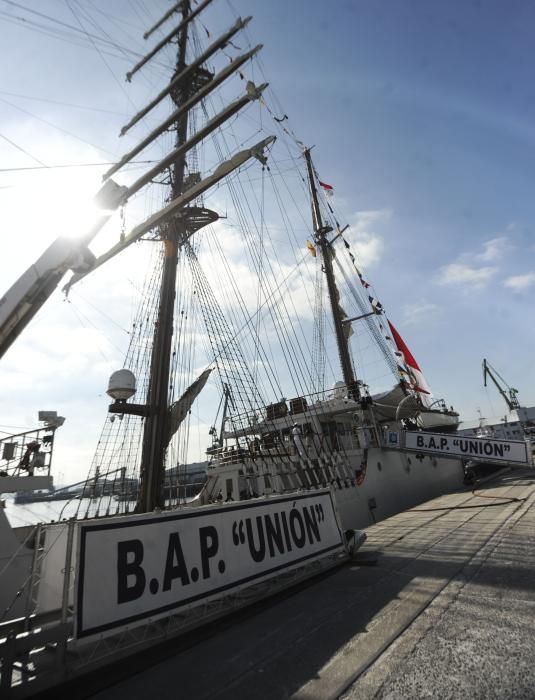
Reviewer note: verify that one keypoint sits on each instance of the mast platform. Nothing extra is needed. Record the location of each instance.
(447, 610)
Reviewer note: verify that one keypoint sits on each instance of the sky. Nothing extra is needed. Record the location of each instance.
(422, 116)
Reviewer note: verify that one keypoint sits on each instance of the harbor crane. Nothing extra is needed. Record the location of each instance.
(508, 393)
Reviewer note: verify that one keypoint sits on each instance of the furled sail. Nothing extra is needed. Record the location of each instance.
(179, 409)
(394, 404)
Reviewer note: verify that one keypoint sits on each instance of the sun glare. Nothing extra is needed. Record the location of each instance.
(65, 204)
(37, 209)
(55, 204)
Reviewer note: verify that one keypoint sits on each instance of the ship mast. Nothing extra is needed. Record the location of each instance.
(321, 232)
(174, 224)
(156, 422)
(177, 222)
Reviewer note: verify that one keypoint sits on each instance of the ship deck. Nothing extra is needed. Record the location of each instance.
(439, 603)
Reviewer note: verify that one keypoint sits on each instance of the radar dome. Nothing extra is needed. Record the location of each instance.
(122, 385)
(339, 390)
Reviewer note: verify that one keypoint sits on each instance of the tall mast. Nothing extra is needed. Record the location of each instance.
(325, 245)
(156, 422)
(174, 223)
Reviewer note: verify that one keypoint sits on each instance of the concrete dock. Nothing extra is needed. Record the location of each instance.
(441, 603)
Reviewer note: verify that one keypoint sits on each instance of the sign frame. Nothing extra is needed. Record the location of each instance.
(473, 448)
(85, 628)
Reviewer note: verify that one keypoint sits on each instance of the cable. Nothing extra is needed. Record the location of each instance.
(72, 165)
(55, 126)
(90, 37)
(58, 102)
(69, 26)
(507, 501)
(20, 148)
(67, 38)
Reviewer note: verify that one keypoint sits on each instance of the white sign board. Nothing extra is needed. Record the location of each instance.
(479, 449)
(146, 566)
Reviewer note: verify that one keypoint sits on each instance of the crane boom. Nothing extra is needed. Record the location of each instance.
(509, 396)
(28, 294)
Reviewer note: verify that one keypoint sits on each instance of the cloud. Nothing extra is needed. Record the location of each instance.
(362, 220)
(366, 243)
(458, 273)
(368, 248)
(493, 249)
(520, 283)
(413, 313)
(466, 270)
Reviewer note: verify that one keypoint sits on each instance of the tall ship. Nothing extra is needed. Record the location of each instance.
(253, 311)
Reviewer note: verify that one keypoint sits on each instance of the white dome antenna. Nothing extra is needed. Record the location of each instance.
(122, 385)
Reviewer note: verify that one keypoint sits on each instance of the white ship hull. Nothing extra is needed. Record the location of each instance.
(395, 481)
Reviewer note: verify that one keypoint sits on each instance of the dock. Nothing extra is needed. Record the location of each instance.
(439, 602)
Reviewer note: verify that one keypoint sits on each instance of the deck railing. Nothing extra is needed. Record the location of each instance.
(27, 452)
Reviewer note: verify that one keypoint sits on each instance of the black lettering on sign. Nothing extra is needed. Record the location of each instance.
(274, 534)
(432, 443)
(443, 443)
(286, 532)
(258, 553)
(129, 558)
(419, 441)
(474, 447)
(172, 570)
(297, 528)
(498, 450)
(311, 524)
(209, 541)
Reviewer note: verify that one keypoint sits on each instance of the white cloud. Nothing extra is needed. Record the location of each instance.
(368, 248)
(519, 283)
(493, 249)
(458, 273)
(467, 270)
(362, 220)
(413, 313)
(366, 243)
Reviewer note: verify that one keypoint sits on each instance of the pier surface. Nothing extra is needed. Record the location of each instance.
(446, 611)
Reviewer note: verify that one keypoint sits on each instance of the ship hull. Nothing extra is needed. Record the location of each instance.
(391, 482)
(395, 481)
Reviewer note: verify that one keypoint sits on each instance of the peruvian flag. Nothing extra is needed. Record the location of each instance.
(419, 382)
(328, 189)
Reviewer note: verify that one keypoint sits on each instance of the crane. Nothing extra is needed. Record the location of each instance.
(26, 296)
(509, 394)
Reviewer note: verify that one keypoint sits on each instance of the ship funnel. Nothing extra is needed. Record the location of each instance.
(122, 385)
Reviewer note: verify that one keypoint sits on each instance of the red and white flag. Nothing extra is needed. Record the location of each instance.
(328, 189)
(419, 381)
